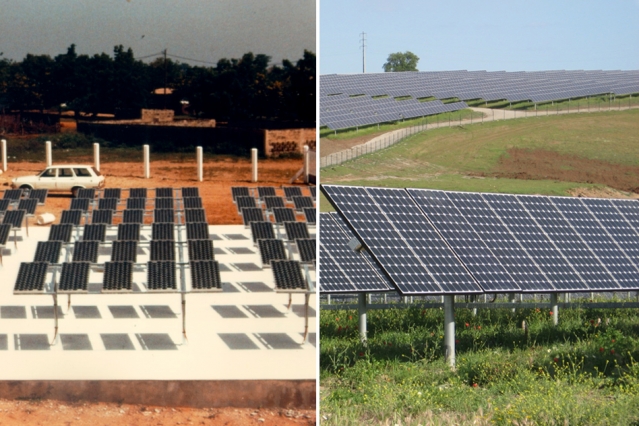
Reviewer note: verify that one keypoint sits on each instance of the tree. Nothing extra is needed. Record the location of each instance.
(399, 61)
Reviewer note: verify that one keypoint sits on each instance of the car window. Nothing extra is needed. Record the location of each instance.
(48, 173)
(82, 172)
(65, 173)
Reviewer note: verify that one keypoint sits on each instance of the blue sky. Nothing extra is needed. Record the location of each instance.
(481, 35)
(206, 30)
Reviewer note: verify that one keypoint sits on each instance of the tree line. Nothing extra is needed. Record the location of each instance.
(235, 89)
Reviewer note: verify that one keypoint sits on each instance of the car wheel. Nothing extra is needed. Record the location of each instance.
(74, 191)
(26, 189)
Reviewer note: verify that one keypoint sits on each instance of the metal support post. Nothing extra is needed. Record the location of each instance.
(49, 156)
(555, 308)
(4, 155)
(200, 160)
(449, 330)
(362, 306)
(254, 163)
(147, 162)
(96, 156)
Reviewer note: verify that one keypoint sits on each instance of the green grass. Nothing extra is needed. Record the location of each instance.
(579, 373)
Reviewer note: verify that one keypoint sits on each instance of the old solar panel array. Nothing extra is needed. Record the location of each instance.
(438, 242)
(355, 99)
(16, 204)
(99, 214)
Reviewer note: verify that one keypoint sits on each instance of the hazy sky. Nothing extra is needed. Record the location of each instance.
(205, 30)
(513, 35)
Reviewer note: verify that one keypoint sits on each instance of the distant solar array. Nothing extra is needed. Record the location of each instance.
(350, 100)
(438, 242)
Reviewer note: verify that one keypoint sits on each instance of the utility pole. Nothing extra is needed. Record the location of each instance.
(363, 42)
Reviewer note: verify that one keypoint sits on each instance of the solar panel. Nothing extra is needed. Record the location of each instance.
(12, 194)
(313, 191)
(245, 202)
(400, 238)
(272, 202)
(197, 231)
(31, 276)
(292, 191)
(163, 216)
(191, 191)
(205, 275)
(288, 276)
(162, 250)
(133, 216)
(239, 191)
(252, 214)
(310, 215)
(80, 204)
(29, 205)
(610, 216)
(14, 218)
(201, 250)
(5, 230)
(94, 232)
(128, 232)
(72, 217)
(265, 191)
(4, 205)
(39, 194)
(108, 204)
(74, 277)
(137, 193)
(164, 193)
(161, 276)
(118, 276)
(262, 230)
(102, 216)
(271, 250)
(61, 232)
(164, 203)
(163, 231)
(306, 248)
(192, 202)
(284, 215)
(48, 251)
(195, 216)
(86, 251)
(296, 230)
(125, 251)
(112, 193)
(303, 202)
(86, 193)
(136, 203)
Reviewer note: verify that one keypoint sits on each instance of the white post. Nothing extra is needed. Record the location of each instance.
(449, 330)
(147, 163)
(200, 160)
(254, 160)
(555, 308)
(362, 308)
(47, 146)
(4, 155)
(306, 159)
(96, 156)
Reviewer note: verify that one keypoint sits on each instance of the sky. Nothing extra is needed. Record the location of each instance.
(202, 30)
(489, 35)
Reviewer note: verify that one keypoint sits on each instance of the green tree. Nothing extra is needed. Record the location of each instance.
(399, 61)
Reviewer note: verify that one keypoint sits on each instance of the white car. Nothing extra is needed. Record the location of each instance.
(62, 178)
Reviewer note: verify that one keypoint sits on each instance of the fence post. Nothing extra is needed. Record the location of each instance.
(96, 156)
(200, 163)
(147, 162)
(254, 162)
(49, 156)
(4, 155)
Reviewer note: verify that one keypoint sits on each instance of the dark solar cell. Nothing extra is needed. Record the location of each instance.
(161, 276)
(195, 216)
(136, 203)
(74, 277)
(288, 275)
(303, 202)
(48, 251)
(164, 203)
(137, 193)
(4, 205)
(284, 215)
(31, 277)
(86, 193)
(306, 248)
(240, 191)
(80, 204)
(292, 191)
(72, 217)
(125, 251)
(128, 232)
(191, 191)
(12, 194)
(163, 216)
(244, 202)
(310, 215)
(265, 191)
(14, 218)
(94, 232)
(108, 204)
(262, 230)
(5, 230)
(102, 216)
(163, 231)
(133, 216)
(162, 250)
(164, 193)
(205, 275)
(273, 202)
(296, 230)
(313, 191)
(197, 231)
(112, 193)
(61, 232)
(39, 194)
(271, 250)
(201, 250)
(192, 202)
(86, 251)
(118, 276)
(252, 214)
